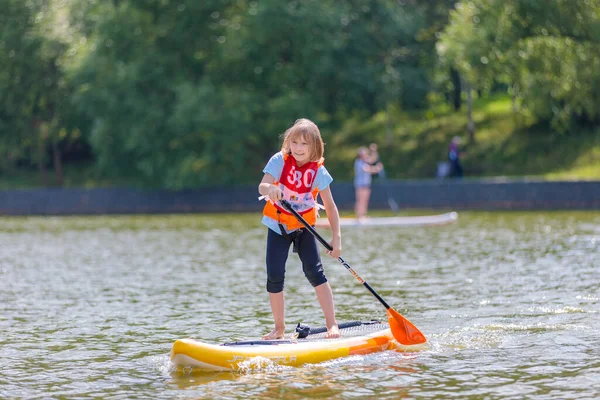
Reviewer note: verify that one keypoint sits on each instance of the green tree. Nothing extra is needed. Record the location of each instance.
(546, 51)
(130, 76)
(32, 86)
(194, 93)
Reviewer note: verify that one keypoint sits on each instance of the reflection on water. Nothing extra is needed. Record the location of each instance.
(90, 306)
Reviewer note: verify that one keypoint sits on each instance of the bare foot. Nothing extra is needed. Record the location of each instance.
(276, 333)
(333, 332)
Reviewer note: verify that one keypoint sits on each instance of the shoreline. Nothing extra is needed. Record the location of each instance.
(471, 194)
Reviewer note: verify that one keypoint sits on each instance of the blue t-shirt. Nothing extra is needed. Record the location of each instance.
(274, 167)
(362, 178)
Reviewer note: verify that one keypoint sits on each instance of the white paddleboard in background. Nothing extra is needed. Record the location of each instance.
(418, 220)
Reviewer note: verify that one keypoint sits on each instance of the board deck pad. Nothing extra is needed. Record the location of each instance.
(347, 330)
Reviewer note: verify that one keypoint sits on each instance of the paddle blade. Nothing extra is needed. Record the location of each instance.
(403, 330)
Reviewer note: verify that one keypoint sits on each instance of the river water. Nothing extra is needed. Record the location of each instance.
(90, 307)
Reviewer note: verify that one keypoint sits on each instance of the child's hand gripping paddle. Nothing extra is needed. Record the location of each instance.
(402, 329)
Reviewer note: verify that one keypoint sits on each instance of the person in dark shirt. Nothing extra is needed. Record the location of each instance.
(454, 154)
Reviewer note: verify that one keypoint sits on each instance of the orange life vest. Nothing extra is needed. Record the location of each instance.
(296, 183)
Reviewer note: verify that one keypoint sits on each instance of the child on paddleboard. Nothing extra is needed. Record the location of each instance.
(297, 174)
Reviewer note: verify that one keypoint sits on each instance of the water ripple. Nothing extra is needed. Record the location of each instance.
(90, 306)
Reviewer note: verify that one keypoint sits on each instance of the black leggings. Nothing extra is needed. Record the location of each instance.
(278, 248)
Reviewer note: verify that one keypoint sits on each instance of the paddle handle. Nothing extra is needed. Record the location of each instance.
(316, 234)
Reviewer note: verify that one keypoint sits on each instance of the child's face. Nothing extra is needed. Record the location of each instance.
(301, 150)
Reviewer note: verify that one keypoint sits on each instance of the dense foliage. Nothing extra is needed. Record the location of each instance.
(185, 93)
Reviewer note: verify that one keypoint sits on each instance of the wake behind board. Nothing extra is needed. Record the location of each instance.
(421, 220)
(357, 338)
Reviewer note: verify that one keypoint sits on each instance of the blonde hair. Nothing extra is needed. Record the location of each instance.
(309, 131)
(362, 150)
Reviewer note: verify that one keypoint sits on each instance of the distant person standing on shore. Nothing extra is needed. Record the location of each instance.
(454, 154)
(362, 181)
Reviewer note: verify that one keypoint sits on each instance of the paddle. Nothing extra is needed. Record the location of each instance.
(392, 203)
(402, 329)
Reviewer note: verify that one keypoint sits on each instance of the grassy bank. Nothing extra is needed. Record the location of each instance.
(412, 144)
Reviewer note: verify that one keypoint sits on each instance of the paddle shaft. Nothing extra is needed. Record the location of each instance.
(391, 202)
(312, 230)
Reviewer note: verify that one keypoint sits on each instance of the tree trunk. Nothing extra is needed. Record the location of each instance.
(456, 91)
(388, 127)
(58, 170)
(42, 136)
(470, 123)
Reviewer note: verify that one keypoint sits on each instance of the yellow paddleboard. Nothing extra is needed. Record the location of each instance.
(291, 352)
